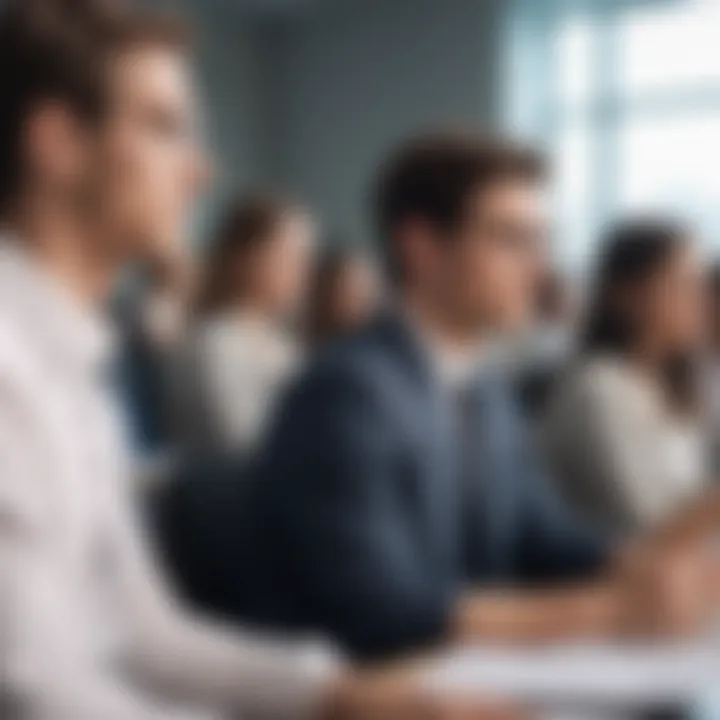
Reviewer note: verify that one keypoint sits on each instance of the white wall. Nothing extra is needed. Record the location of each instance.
(345, 80)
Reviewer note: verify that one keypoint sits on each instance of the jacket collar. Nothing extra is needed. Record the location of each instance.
(433, 363)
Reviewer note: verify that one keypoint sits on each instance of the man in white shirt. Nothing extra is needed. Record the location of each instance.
(98, 163)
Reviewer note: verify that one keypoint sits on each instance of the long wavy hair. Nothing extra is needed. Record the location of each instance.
(633, 251)
(248, 223)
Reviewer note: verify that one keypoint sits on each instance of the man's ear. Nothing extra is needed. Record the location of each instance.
(414, 239)
(55, 144)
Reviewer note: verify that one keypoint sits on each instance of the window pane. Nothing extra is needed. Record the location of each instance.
(572, 173)
(669, 47)
(671, 164)
(573, 51)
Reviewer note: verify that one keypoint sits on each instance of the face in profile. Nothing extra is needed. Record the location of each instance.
(279, 269)
(152, 168)
(490, 269)
(712, 310)
(355, 293)
(344, 294)
(670, 305)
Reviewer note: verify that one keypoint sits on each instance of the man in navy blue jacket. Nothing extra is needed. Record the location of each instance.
(397, 504)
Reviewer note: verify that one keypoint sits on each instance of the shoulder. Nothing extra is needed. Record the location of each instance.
(20, 364)
(354, 381)
(337, 407)
(222, 344)
(217, 330)
(361, 362)
(607, 377)
(608, 385)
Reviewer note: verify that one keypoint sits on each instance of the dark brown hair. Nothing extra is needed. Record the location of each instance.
(714, 279)
(713, 299)
(432, 177)
(632, 252)
(321, 322)
(58, 50)
(248, 223)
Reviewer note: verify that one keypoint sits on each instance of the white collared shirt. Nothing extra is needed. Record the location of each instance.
(454, 367)
(81, 607)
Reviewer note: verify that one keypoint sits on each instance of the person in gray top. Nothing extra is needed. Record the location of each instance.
(624, 434)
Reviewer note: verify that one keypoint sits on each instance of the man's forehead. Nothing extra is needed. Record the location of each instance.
(150, 73)
(519, 197)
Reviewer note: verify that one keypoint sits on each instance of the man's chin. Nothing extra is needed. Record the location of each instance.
(512, 324)
(160, 246)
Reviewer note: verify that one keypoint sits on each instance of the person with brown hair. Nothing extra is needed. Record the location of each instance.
(398, 505)
(711, 371)
(98, 165)
(624, 435)
(241, 349)
(343, 294)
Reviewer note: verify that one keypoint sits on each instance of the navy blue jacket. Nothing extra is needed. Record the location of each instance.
(361, 528)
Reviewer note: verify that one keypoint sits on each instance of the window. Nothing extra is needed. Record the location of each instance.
(627, 96)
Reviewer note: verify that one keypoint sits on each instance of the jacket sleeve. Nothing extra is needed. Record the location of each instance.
(553, 543)
(197, 660)
(334, 475)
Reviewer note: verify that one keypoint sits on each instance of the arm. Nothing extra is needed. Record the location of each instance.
(216, 664)
(48, 673)
(351, 545)
(550, 545)
(46, 670)
(331, 487)
(657, 593)
(697, 521)
(618, 422)
(625, 451)
(553, 545)
(275, 680)
(539, 616)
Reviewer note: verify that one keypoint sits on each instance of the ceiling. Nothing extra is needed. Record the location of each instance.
(270, 6)
(259, 6)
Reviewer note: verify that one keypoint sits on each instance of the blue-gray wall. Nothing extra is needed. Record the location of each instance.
(346, 80)
(228, 73)
(310, 101)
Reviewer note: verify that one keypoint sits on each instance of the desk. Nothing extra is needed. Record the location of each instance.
(610, 677)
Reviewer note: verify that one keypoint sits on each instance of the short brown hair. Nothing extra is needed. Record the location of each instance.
(431, 178)
(58, 50)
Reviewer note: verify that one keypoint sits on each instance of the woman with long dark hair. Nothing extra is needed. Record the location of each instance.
(623, 435)
(240, 350)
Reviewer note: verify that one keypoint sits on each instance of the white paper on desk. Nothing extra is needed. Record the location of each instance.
(597, 674)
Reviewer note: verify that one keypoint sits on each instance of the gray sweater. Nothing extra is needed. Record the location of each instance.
(619, 456)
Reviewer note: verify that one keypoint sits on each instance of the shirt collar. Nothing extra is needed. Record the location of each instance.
(67, 330)
(453, 368)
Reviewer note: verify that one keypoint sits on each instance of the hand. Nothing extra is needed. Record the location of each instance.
(382, 698)
(667, 591)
